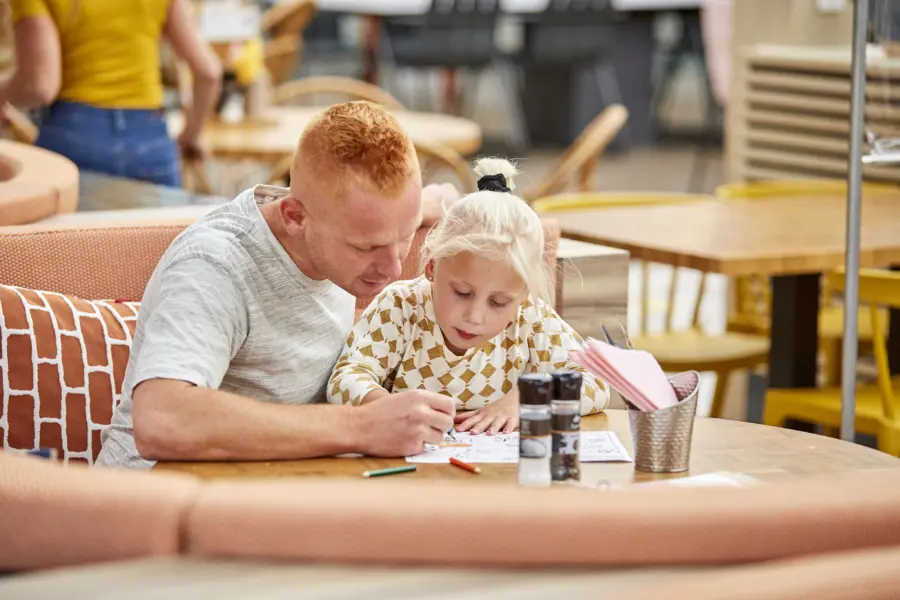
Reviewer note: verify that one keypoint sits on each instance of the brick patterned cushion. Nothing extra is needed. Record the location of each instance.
(62, 362)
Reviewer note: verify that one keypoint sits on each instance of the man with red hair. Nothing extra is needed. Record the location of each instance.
(247, 311)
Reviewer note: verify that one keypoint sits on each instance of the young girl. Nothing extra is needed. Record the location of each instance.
(474, 322)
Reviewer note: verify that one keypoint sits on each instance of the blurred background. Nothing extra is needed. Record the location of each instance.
(627, 106)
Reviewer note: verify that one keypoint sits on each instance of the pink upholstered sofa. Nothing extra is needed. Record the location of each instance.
(70, 289)
(822, 539)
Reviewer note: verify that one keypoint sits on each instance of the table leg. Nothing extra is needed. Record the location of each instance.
(893, 342)
(451, 92)
(795, 331)
(370, 49)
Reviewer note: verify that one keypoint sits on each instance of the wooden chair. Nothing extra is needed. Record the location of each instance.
(282, 25)
(877, 411)
(20, 127)
(751, 311)
(581, 157)
(280, 56)
(437, 156)
(355, 89)
(194, 176)
(288, 18)
(683, 349)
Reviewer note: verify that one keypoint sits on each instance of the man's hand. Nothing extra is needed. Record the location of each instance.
(401, 424)
(496, 417)
(435, 198)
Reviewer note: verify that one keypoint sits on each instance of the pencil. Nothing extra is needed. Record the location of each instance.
(390, 471)
(465, 466)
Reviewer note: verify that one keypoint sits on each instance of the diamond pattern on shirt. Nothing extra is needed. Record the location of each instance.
(397, 344)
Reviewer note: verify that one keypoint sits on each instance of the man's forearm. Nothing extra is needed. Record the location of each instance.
(192, 423)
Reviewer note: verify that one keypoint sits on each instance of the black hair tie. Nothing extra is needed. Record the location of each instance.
(493, 183)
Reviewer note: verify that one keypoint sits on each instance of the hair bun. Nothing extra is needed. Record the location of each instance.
(496, 174)
(493, 183)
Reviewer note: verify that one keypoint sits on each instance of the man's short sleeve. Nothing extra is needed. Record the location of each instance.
(22, 9)
(195, 323)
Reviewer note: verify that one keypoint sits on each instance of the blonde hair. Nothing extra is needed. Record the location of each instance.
(360, 139)
(496, 225)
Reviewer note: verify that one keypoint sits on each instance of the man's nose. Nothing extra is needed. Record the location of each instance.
(388, 262)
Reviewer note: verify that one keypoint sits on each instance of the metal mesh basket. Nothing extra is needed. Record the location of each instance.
(662, 438)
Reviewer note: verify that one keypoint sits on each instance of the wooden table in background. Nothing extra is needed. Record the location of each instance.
(792, 239)
(767, 453)
(274, 135)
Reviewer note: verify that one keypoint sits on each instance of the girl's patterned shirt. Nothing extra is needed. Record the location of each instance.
(397, 345)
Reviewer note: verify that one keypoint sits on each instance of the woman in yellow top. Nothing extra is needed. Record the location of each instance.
(95, 67)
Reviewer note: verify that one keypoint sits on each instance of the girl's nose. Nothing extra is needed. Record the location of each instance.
(475, 315)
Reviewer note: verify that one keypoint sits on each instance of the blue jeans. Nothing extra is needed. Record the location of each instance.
(122, 142)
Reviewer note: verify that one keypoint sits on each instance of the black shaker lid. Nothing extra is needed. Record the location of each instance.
(535, 388)
(567, 385)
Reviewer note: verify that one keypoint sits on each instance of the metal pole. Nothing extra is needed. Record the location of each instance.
(854, 206)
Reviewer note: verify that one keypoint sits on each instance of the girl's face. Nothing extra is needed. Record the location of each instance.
(474, 298)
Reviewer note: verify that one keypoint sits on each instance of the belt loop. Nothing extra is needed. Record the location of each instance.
(119, 120)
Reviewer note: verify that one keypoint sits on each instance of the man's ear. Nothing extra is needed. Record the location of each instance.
(294, 215)
(429, 270)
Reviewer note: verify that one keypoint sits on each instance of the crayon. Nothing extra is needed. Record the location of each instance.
(390, 471)
(465, 466)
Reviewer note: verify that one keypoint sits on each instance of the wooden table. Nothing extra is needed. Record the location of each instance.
(792, 239)
(767, 453)
(276, 133)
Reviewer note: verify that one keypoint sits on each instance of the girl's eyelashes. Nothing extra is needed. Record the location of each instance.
(494, 303)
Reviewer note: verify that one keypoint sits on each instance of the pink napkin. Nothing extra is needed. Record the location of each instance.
(633, 373)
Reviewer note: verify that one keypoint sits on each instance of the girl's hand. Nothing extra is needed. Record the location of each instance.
(496, 417)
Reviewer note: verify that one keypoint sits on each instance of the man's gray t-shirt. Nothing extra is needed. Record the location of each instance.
(226, 308)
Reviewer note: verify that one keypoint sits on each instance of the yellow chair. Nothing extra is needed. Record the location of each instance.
(676, 350)
(794, 187)
(876, 404)
(751, 310)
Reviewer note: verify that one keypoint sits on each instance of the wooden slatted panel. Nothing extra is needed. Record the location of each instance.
(790, 114)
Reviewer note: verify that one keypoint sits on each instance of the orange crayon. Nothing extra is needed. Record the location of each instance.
(465, 466)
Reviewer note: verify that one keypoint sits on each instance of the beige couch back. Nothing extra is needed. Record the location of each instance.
(114, 260)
